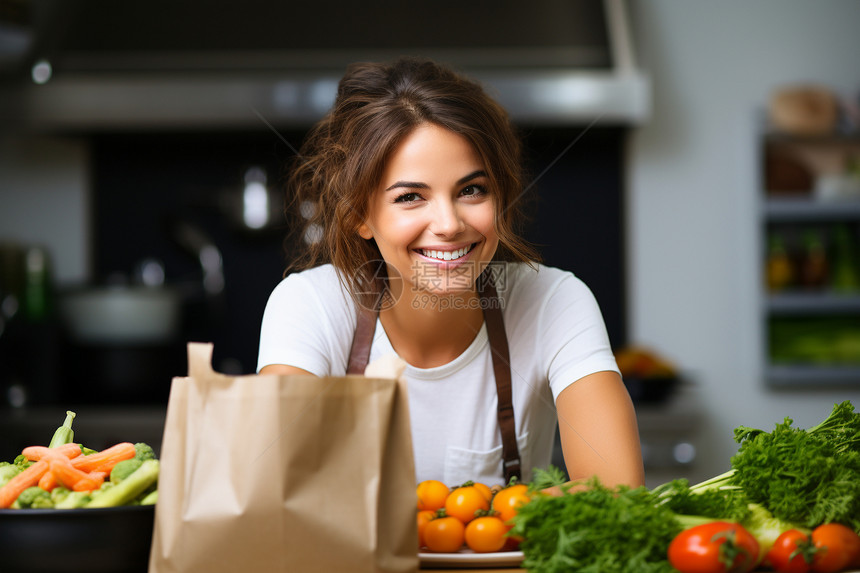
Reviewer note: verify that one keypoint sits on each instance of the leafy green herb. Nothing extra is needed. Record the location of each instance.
(544, 478)
(804, 476)
(596, 530)
(730, 503)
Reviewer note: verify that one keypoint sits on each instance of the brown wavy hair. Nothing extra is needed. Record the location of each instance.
(341, 163)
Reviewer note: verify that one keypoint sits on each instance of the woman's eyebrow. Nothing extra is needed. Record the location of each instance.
(473, 175)
(408, 185)
(419, 185)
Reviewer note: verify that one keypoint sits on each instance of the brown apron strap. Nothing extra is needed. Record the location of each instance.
(502, 371)
(359, 356)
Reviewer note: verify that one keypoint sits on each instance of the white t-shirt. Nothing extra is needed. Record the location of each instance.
(556, 336)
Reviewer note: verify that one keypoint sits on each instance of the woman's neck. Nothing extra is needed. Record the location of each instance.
(428, 330)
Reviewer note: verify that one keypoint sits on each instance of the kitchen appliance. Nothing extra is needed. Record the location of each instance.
(123, 343)
(128, 65)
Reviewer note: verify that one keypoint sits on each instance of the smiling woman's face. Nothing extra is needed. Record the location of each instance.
(432, 216)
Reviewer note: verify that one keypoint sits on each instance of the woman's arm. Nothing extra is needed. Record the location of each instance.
(282, 369)
(599, 432)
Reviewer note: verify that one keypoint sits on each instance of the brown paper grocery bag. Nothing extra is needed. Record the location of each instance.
(285, 473)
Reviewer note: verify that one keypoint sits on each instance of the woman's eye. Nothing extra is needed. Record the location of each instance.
(473, 190)
(407, 198)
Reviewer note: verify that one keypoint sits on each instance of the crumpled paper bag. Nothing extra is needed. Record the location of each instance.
(286, 473)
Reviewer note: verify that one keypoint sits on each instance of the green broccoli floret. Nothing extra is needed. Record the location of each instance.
(22, 462)
(43, 502)
(34, 497)
(143, 452)
(7, 472)
(59, 493)
(124, 469)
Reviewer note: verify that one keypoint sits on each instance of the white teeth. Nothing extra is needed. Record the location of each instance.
(446, 255)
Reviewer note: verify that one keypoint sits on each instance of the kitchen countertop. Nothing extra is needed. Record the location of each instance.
(475, 570)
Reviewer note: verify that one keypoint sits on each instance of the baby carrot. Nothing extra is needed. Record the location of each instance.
(73, 478)
(94, 480)
(105, 460)
(27, 478)
(36, 453)
(48, 482)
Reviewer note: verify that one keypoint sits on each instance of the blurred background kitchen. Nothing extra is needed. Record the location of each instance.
(697, 164)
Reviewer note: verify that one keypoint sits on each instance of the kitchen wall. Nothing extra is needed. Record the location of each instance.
(693, 242)
(43, 199)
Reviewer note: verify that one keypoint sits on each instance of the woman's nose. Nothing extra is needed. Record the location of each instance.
(447, 220)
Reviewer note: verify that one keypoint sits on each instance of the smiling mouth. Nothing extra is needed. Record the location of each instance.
(446, 255)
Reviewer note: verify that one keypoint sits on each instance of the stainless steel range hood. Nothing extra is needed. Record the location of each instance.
(174, 65)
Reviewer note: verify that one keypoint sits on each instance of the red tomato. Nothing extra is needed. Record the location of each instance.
(838, 546)
(464, 501)
(716, 547)
(512, 542)
(509, 499)
(444, 535)
(486, 534)
(792, 552)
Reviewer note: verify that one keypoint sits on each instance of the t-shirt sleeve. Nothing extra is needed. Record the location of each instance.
(307, 324)
(576, 343)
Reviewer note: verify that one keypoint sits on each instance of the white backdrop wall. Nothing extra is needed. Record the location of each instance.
(693, 193)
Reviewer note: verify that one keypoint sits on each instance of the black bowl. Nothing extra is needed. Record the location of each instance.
(652, 390)
(98, 540)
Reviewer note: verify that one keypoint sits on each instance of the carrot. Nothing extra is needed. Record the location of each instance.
(94, 481)
(105, 460)
(36, 453)
(73, 478)
(27, 478)
(48, 481)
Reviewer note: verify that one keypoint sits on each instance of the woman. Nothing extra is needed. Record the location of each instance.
(410, 191)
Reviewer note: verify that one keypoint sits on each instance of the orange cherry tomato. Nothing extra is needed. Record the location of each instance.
(424, 517)
(508, 500)
(444, 535)
(431, 494)
(486, 534)
(464, 501)
(484, 489)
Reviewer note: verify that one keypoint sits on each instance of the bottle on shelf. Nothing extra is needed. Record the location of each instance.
(814, 266)
(846, 265)
(780, 274)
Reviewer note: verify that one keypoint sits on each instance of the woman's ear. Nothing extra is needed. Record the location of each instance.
(364, 231)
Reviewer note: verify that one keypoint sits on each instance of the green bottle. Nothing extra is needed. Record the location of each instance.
(846, 267)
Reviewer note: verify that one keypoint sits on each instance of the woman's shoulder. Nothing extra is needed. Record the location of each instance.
(321, 282)
(540, 290)
(323, 276)
(519, 278)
